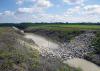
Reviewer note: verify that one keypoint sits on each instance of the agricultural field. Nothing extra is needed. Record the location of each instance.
(65, 27)
(63, 31)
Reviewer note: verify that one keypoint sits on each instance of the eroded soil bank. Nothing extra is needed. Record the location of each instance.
(74, 43)
(77, 47)
(65, 51)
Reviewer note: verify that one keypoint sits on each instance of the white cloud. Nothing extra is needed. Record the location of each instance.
(51, 18)
(30, 10)
(25, 10)
(92, 9)
(8, 13)
(89, 13)
(84, 10)
(72, 11)
(44, 3)
(71, 2)
(38, 7)
(19, 2)
(36, 12)
(39, 3)
(0, 14)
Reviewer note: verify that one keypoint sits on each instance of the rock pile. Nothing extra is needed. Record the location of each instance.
(77, 47)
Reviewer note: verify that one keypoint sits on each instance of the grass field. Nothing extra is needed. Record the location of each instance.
(60, 32)
(65, 27)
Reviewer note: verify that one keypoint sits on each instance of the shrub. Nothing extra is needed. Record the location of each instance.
(96, 43)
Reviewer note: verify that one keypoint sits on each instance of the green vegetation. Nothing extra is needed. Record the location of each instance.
(55, 32)
(88, 26)
(65, 26)
(57, 35)
(68, 68)
(14, 56)
(60, 32)
(96, 43)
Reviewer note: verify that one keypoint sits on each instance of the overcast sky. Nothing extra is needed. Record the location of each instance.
(49, 11)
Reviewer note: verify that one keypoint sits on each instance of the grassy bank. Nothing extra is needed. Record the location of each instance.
(13, 55)
(96, 43)
(17, 57)
(65, 27)
(64, 33)
(61, 33)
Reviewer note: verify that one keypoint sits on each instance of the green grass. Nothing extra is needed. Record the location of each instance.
(65, 27)
(96, 43)
(13, 54)
(61, 33)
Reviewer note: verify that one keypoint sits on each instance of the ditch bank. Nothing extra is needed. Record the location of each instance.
(74, 43)
(58, 45)
(77, 48)
(56, 35)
